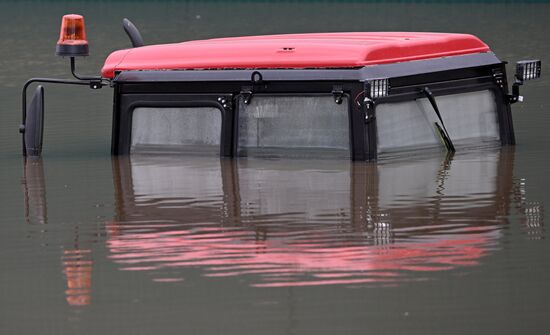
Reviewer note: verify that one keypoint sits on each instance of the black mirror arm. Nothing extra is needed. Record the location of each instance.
(95, 82)
(24, 97)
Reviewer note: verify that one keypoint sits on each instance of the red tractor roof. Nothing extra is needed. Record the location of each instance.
(294, 51)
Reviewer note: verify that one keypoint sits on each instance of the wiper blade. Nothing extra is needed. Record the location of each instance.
(441, 130)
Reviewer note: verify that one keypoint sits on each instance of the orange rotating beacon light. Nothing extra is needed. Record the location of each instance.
(72, 43)
(72, 37)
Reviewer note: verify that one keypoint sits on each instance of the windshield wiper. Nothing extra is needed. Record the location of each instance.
(441, 130)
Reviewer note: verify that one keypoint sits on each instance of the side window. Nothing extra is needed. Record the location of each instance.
(470, 118)
(180, 129)
(293, 126)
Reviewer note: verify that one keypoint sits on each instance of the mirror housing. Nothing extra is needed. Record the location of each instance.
(34, 123)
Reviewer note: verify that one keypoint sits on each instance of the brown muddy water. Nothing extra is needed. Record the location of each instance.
(92, 244)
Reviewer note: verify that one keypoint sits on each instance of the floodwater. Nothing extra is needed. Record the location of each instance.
(92, 244)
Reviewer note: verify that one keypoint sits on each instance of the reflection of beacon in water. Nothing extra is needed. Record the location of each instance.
(77, 261)
(288, 223)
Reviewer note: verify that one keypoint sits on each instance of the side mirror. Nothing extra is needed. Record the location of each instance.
(72, 43)
(34, 123)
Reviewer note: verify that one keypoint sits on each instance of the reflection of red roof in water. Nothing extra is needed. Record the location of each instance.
(322, 50)
(297, 225)
(284, 261)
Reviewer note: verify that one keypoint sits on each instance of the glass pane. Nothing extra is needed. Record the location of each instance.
(185, 129)
(293, 125)
(470, 118)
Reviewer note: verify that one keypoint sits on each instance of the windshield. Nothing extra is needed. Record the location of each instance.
(470, 118)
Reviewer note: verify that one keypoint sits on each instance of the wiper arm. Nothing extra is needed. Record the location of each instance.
(441, 130)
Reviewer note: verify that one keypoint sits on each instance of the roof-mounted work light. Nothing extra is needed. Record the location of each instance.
(378, 88)
(528, 69)
(72, 37)
(525, 70)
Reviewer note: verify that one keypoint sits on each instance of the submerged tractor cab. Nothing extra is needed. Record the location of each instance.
(355, 95)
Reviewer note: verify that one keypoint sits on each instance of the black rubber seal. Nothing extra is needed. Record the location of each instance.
(72, 50)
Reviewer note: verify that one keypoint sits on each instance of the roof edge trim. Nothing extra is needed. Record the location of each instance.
(357, 74)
